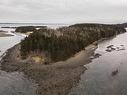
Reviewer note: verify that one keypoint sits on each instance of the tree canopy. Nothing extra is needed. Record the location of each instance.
(65, 42)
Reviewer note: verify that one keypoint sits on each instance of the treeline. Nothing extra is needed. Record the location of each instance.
(25, 29)
(103, 30)
(122, 25)
(65, 42)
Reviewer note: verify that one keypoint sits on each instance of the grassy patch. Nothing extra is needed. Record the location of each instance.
(38, 59)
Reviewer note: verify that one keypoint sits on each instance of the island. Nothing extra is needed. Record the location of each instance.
(55, 58)
(4, 34)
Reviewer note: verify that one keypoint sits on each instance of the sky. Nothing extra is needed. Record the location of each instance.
(63, 11)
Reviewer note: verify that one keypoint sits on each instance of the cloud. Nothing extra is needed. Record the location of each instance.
(68, 11)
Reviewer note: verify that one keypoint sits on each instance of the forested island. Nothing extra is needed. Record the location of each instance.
(62, 43)
(25, 29)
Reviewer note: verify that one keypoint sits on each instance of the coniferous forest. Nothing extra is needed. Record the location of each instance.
(64, 42)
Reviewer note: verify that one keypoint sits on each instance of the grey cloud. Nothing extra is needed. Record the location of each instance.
(68, 11)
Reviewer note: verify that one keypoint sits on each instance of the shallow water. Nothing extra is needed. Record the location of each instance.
(14, 83)
(98, 79)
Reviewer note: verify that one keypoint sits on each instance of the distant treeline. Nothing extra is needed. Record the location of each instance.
(25, 29)
(8, 27)
(66, 41)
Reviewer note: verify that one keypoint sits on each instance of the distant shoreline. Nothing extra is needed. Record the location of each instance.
(4, 34)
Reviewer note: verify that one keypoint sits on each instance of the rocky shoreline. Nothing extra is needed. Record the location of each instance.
(54, 79)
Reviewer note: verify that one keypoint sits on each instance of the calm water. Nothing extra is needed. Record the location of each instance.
(98, 79)
(14, 83)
